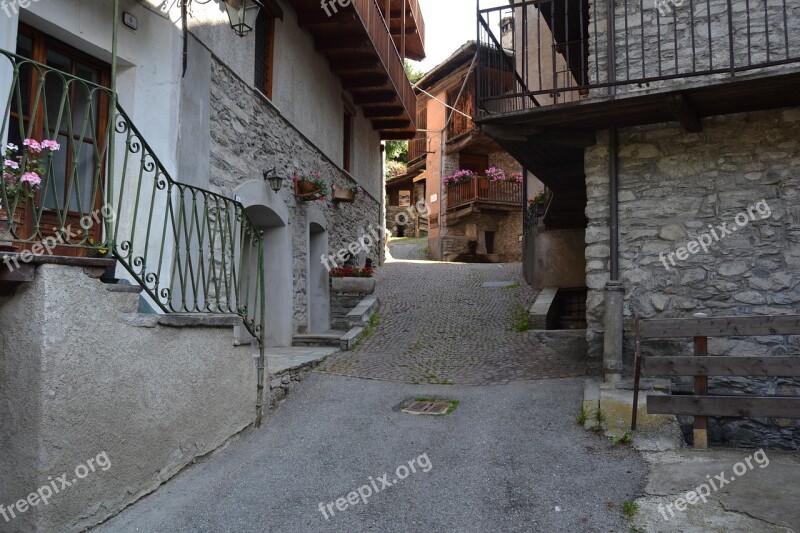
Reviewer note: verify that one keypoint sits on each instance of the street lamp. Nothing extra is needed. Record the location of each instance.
(243, 15)
(275, 181)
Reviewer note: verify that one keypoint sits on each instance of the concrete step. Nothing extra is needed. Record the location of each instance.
(327, 338)
(125, 297)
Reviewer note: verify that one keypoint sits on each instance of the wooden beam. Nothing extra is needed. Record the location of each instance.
(366, 79)
(682, 110)
(356, 65)
(732, 326)
(536, 136)
(384, 111)
(373, 97)
(730, 406)
(722, 366)
(391, 124)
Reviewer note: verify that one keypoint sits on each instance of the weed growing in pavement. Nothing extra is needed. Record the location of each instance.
(625, 438)
(519, 318)
(600, 419)
(374, 322)
(629, 509)
(432, 379)
(581, 417)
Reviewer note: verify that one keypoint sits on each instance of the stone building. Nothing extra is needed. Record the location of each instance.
(489, 213)
(183, 123)
(688, 122)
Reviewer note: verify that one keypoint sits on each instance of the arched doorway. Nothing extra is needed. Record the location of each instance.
(271, 216)
(319, 303)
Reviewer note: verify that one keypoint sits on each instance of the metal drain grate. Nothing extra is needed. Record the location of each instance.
(430, 407)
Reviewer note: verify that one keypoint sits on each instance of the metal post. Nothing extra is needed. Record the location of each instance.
(111, 139)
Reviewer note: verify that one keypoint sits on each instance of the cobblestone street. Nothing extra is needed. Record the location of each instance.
(449, 323)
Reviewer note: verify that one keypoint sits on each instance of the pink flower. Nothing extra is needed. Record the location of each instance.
(51, 145)
(10, 179)
(11, 164)
(32, 145)
(31, 178)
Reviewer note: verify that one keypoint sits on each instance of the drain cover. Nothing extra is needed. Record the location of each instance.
(431, 407)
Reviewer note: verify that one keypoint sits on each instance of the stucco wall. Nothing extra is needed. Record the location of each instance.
(152, 398)
(673, 185)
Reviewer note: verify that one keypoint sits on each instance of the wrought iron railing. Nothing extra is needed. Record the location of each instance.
(558, 50)
(190, 249)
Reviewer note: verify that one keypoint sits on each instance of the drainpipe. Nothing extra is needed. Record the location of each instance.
(111, 140)
(615, 289)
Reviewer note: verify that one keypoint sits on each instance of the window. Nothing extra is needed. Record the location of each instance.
(347, 144)
(76, 116)
(265, 48)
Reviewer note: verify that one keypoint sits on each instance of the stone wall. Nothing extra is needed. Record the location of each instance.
(673, 185)
(507, 228)
(248, 136)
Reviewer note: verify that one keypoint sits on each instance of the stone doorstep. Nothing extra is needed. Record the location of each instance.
(142, 320)
(542, 309)
(363, 311)
(350, 338)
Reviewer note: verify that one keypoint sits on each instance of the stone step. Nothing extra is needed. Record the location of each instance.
(327, 338)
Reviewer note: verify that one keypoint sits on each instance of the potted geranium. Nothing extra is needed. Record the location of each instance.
(346, 194)
(353, 280)
(536, 204)
(22, 178)
(459, 176)
(312, 187)
(495, 174)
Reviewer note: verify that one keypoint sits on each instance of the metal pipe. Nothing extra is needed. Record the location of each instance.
(111, 116)
(613, 177)
(611, 50)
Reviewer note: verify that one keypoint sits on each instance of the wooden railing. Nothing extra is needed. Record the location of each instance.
(417, 149)
(461, 124)
(370, 14)
(416, 12)
(701, 405)
(482, 189)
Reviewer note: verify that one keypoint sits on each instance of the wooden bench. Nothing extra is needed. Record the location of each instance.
(702, 405)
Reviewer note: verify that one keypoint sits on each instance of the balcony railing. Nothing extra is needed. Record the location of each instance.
(561, 50)
(370, 14)
(191, 250)
(417, 149)
(461, 123)
(482, 189)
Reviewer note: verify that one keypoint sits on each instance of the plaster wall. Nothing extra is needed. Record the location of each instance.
(151, 397)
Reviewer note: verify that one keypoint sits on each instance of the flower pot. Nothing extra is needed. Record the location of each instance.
(306, 191)
(344, 195)
(353, 285)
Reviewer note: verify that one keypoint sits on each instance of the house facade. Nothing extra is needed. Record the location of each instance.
(179, 143)
(675, 149)
(483, 205)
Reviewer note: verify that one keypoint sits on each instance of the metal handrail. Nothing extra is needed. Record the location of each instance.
(192, 250)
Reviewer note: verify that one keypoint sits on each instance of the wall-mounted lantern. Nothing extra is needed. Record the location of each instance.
(275, 181)
(243, 15)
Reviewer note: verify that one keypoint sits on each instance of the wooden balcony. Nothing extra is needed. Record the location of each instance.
(502, 195)
(362, 51)
(407, 27)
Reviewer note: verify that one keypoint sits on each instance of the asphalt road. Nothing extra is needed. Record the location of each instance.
(509, 458)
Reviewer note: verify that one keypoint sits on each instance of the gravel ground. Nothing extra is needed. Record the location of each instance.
(510, 458)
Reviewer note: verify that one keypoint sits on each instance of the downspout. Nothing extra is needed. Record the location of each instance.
(111, 128)
(615, 289)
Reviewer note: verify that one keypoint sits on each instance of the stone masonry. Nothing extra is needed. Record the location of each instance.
(672, 186)
(249, 136)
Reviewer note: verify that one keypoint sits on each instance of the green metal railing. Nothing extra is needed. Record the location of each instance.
(190, 249)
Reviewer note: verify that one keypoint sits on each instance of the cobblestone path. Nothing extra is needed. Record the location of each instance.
(440, 323)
